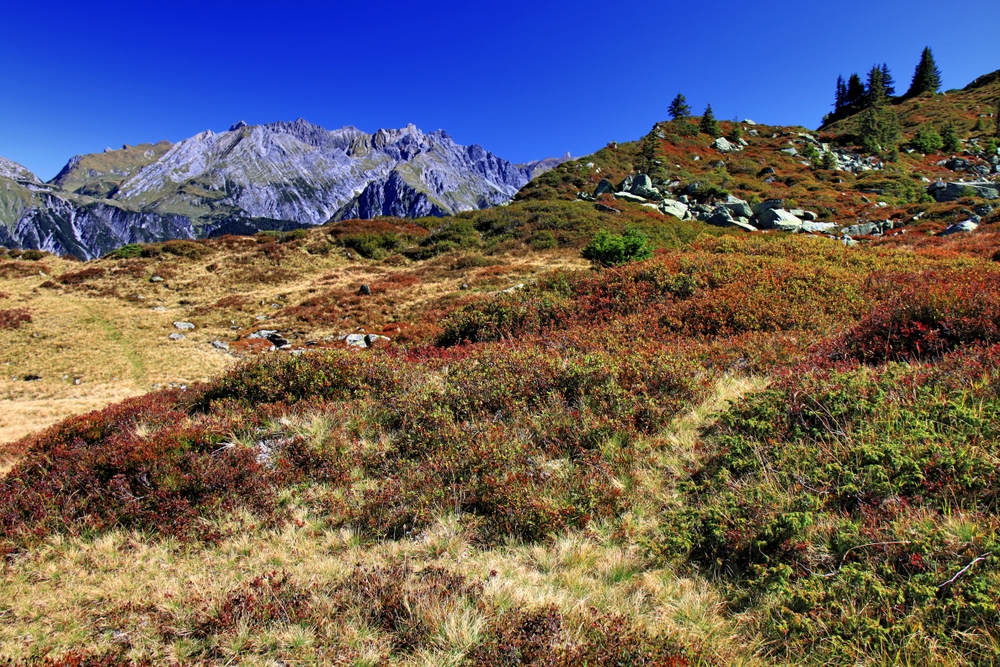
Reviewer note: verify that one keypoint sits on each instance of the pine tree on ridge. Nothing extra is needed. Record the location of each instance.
(679, 108)
(926, 78)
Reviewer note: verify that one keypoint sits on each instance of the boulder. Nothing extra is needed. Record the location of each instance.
(868, 228)
(767, 205)
(814, 227)
(220, 345)
(626, 185)
(946, 192)
(604, 188)
(176, 336)
(723, 145)
(790, 151)
(738, 207)
(365, 290)
(674, 208)
(603, 208)
(723, 217)
(966, 226)
(779, 219)
(184, 326)
(628, 196)
(642, 186)
(156, 279)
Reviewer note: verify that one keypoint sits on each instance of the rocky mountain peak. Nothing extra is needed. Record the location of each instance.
(15, 172)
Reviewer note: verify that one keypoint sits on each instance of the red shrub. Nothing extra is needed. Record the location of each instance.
(932, 313)
(14, 318)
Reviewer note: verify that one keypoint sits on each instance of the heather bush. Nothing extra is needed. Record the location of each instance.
(931, 313)
(854, 510)
(14, 318)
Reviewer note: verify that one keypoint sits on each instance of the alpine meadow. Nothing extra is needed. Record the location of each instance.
(727, 394)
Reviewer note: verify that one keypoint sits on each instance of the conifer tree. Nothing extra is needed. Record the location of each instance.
(927, 77)
(949, 137)
(841, 100)
(888, 83)
(709, 125)
(879, 129)
(855, 90)
(679, 108)
(875, 90)
(996, 117)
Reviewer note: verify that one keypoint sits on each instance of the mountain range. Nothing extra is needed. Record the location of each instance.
(250, 178)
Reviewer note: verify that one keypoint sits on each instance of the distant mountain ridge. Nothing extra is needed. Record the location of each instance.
(250, 177)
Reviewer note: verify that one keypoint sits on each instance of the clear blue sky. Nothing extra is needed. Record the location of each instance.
(524, 79)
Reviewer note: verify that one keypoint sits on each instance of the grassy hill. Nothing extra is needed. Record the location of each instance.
(972, 110)
(750, 449)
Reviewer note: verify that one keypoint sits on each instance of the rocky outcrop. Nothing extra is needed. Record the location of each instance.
(306, 174)
(945, 192)
(40, 216)
(249, 178)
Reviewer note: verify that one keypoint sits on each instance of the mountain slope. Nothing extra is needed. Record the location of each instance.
(302, 173)
(100, 174)
(41, 216)
(972, 110)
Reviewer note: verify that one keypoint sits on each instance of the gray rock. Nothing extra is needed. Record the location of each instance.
(738, 207)
(355, 340)
(603, 208)
(628, 196)
(184, 326)
(176, 336)
(779, 219)
(642, 186)
(818, 227)
(365, 290)
(675, 208)
(966, 226)
(156, 279)
(723, 217)
(604, 188)
(220, 345)
(723, 145)
(946, 192)
(767, 205)
(790, 151)
(626, 184)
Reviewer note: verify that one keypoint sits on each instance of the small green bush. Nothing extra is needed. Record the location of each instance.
(130, 251)
(927, 140)
(613, 249)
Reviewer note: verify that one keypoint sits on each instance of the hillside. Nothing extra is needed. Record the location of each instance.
(453, 441)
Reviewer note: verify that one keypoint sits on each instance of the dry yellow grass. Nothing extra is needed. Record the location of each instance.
(105, 338)
(126, 593)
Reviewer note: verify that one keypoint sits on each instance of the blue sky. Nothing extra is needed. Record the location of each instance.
(524, 79)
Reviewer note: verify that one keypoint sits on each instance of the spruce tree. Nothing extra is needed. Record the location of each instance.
(927, 77)
(949, 138)
(709, 125)
(888, 83)
(879, 129)
(841, 100)
(855, 90)
(875, 90)
(996, 117)
(679, 108)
